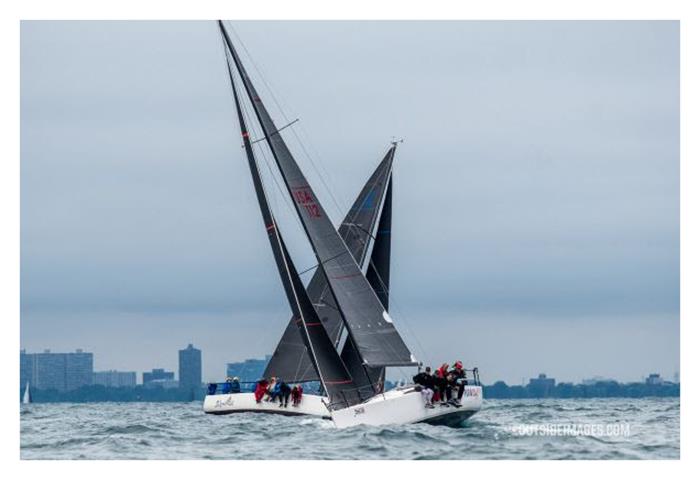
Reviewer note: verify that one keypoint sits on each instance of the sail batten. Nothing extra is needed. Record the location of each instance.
(372, 330)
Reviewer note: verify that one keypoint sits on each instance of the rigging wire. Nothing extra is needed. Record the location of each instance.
(277, 233)
(317, 170)
(278, 103)
(262, 339)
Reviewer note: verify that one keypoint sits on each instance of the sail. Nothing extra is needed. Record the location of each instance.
(330, 368)
(379, 266)
(369, 324)
(27, 398)
(291, 358)
(377, 276)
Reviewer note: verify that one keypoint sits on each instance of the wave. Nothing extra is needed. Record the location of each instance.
(183, 431)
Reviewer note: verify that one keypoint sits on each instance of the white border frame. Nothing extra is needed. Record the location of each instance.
(357, 9)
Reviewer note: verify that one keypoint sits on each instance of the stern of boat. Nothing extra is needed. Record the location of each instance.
(405, 405)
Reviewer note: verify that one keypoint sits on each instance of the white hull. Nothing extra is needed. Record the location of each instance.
(406, 406)
(222, 404)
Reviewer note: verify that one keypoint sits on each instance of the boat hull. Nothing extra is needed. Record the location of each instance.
(224, 404)
(406, 406)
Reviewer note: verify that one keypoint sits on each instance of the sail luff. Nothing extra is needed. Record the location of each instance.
(363, 314)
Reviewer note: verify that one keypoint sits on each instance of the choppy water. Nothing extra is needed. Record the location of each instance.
(641, 429)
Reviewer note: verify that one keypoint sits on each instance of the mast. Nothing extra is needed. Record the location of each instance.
(331, 371)
(369, 324)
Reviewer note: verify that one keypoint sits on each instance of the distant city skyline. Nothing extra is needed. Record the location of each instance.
(536, 195)
(249, 369)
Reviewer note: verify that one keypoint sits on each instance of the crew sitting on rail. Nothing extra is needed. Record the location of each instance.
(427, 383)
(297, 392)
(442, 391)
(276, 390)
(284, 392)
(235, 385)
(271, 389)
(260, 389)
(457, 378)
(226, 387)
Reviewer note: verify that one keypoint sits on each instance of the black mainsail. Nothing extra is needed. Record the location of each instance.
(369, 325)
(331, 371)
(290, 359)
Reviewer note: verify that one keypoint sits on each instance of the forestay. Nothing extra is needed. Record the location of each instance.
(368, 323)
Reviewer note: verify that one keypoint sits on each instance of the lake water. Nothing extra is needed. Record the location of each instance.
(504, 429)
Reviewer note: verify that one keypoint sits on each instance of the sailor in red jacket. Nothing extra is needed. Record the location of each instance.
(441, 383)
(260, 389)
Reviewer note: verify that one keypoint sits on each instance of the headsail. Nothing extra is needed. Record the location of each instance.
(379, 268)
(330, 368)
(378, 276)
(370, 326)
(291, 358)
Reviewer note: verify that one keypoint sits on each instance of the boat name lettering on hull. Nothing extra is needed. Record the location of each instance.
(359, 411)
(472, 392)
(224, 403)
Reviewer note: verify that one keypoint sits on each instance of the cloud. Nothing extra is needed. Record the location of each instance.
(539, 173)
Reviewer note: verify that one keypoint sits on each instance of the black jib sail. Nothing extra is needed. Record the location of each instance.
(331, 371)
(368, 323)
(379, 267)
(291, 358)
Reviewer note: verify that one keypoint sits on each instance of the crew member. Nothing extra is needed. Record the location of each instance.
(426, 380)
(458, 378)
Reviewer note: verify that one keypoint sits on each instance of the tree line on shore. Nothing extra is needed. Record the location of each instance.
(499, 390)
(601, 389)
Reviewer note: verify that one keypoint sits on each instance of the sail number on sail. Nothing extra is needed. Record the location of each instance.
(303, 197)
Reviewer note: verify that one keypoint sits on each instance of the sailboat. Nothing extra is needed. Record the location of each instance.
(27, 397)
(340, 333)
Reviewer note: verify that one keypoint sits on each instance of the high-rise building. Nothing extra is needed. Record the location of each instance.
(50, 371)
(158, 374)
(541, 386)
(78, 369)
(113, 378)
(56, 371)
(190, 368)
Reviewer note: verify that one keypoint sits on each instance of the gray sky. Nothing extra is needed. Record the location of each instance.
(536, 196)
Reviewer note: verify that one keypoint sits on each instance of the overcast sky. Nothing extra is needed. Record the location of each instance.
(536, 195)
